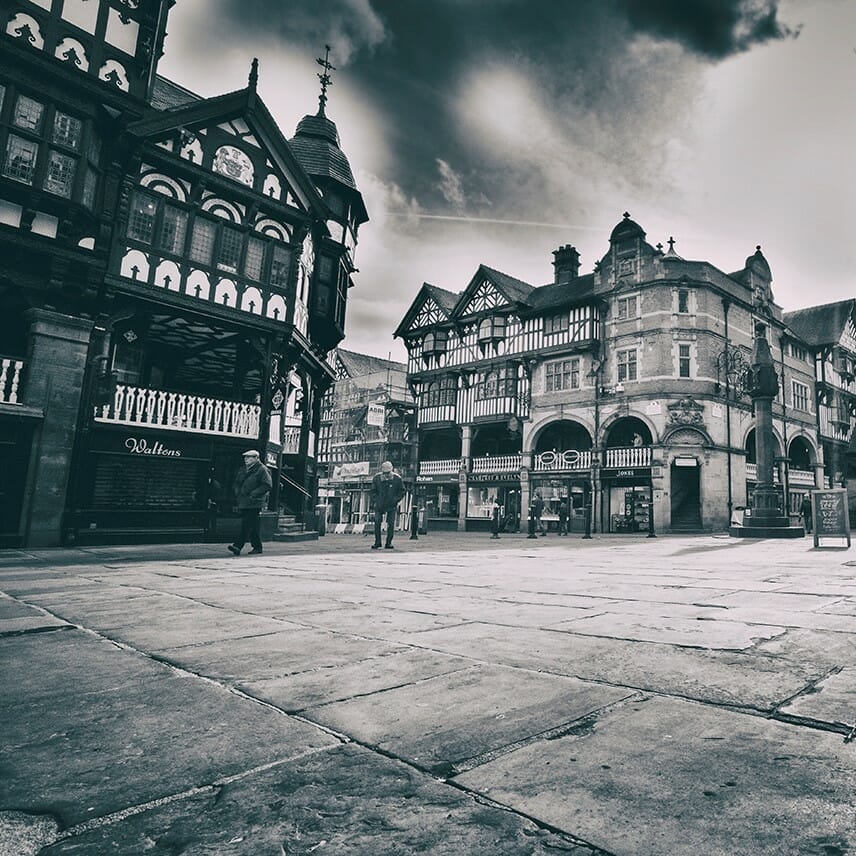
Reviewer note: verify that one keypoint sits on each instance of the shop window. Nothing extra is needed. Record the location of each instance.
(562, 375)
(800, 396)
(626, 362)
(684, 361)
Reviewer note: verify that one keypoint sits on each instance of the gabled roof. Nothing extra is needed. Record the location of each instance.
(244, 104)
(445, 301)
(821, 325)
(516, 290)
(358, 365)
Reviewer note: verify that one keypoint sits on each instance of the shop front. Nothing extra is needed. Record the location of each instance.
(439, 495)
(555, 488)
(134, 485)
(627, 499)
(482, 490)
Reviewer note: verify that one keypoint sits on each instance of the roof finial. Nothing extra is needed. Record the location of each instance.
(254, 73)
(325, 79)
(626, 215)
(671, 244)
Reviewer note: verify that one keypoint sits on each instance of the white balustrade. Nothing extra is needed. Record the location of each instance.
(570, 459)
(801, 477)
(630, 456)
(448, 467)
(175, 411)
(752, 473)
(496, 464)
(10, 378)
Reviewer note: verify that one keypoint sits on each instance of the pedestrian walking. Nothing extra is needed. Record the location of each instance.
(538, 508)
(495, 517)
(251, 488)
(387, 492)
(563, 517)
(805, 510)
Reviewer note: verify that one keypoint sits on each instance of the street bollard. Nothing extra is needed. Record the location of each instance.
(588, 522)
(531, 523)
(414, 524)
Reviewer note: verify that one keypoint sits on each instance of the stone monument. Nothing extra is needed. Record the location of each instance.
(766, 518)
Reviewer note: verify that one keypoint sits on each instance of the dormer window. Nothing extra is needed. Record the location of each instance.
(492, 329)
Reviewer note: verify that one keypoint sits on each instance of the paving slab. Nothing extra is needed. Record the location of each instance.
(378, 620)
(705, 632)
(347, 801)
(677, 778)
(748, 679)
(455, 717)
(323, 685)
(274, 655)
(831, 700)
(90, 729)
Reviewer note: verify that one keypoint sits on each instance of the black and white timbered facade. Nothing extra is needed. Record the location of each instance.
(174, 273)
(620, 391)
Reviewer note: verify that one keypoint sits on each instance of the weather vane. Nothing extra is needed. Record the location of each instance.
(325, 78)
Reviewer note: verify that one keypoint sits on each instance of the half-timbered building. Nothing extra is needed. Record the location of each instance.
(367, 417)
(174, 273)
(620, 391)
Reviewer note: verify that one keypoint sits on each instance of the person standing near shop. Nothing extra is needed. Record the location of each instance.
(387, 492)
(251, 488)
(538, 510)
(563, 517)
(495, 517)
(805, 510)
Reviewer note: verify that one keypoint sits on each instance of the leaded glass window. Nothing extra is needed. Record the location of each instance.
(202, 241)
(28, 113)
(254, 259)
(90, 183)
(60, 175)
(141, 219)
(173, 229)
(280, 266)
(231, 243)
(67, 130)
(20, 161)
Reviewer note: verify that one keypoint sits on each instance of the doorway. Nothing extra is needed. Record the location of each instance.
(686, 498)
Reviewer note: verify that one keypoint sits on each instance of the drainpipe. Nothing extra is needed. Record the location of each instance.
(726, 303)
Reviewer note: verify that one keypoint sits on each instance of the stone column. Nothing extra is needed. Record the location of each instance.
(56, 366)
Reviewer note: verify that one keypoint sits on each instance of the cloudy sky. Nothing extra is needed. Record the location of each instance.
(496, 130)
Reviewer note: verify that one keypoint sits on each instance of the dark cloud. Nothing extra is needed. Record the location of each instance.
(713, 28)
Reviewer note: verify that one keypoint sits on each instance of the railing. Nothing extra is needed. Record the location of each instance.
(10, 378)
(175, 411)
(752, 473)
(448, 467)
(631, 456)
(801, 477)
(496, 464)
(570, 459)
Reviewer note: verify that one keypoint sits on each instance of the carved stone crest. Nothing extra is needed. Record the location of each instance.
(686, 411)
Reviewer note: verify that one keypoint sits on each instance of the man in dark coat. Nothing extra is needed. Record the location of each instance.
(252, 486)
(387, 492)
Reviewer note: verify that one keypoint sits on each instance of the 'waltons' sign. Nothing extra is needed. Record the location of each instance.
(829, 514)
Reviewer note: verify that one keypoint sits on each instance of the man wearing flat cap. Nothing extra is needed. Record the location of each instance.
(251, 486)
(387, 492)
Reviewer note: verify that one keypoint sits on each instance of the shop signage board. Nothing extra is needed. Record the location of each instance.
(493, 477)
(830, 517)
(626, 473)
(351, 470)
(376, 415)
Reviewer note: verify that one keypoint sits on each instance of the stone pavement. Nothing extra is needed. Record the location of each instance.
(454, 696)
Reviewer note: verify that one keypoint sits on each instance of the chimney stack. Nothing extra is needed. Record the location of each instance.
(566, 264)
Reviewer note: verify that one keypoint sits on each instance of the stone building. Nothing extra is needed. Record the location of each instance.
(173, 272)
(368, 416)
(620, 390)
